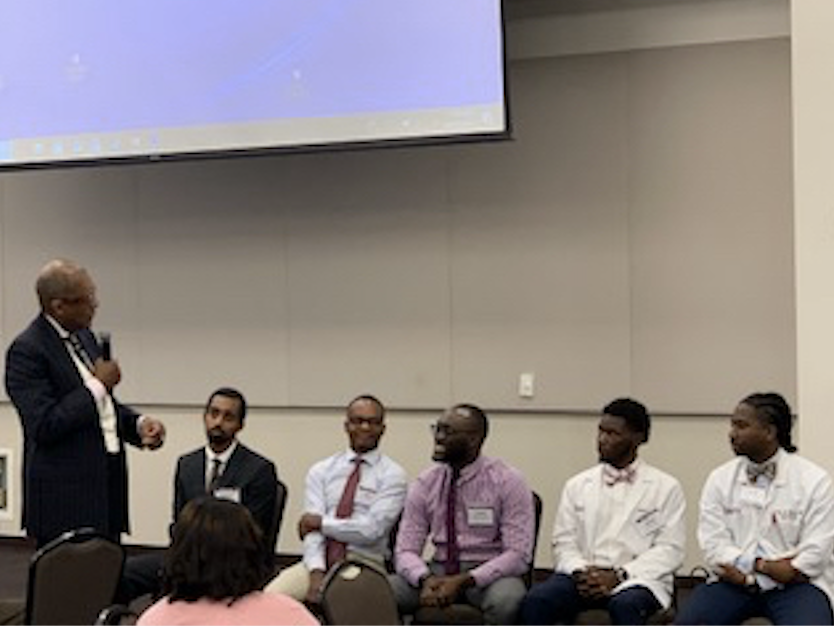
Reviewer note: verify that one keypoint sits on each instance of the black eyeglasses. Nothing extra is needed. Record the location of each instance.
(371, 422)
(447, 431)
(88, 298)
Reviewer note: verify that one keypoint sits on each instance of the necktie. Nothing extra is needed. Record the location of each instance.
(214, 477)
(768, 470)
(80, 351)
(611, 475)
(452, 547)
(336, 550)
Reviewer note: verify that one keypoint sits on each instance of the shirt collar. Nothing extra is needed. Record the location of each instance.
(63, 333)
(371, 458)
(472, 469)
(223, 456)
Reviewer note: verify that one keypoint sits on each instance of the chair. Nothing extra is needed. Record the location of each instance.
(271, 534)
(356, 592)
(72, 578)
(116, 614)
(462, 613)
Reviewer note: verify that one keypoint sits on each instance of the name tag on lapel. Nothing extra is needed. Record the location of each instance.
(228, 493)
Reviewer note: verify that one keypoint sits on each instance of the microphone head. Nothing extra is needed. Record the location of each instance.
(104, 340)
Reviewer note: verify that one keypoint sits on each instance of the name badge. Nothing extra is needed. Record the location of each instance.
(752, 496)
(480, 516)
(228, 493)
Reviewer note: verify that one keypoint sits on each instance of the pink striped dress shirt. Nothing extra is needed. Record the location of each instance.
(494, 521)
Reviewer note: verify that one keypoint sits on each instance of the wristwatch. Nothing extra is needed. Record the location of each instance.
(622, 574)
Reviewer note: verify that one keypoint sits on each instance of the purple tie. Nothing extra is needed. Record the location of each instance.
(452, 548)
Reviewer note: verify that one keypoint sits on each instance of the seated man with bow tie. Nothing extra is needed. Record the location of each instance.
(619, 532)
(766, 527)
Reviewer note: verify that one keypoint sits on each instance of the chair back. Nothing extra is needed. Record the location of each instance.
(116, 614)
(356, 592)
(72, 578)
(271, 534)
(537, 520)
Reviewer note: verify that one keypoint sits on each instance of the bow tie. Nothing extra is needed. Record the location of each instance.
(611, 475)
(768, 470)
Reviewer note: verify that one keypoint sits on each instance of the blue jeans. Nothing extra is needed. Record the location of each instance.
(557, 601)
(725, 603)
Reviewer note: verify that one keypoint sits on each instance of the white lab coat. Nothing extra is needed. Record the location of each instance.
(793, 516)
(649, 532)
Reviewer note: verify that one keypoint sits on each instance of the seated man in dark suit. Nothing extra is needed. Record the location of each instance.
(224, 468)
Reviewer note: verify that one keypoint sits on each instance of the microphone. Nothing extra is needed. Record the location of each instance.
(106, 352)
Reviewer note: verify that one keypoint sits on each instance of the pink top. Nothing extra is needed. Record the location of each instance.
(257, 608)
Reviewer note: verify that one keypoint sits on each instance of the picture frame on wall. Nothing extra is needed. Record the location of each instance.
(6, 493)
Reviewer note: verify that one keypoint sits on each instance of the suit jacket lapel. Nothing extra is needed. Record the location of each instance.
(58, 352)
(234, 468)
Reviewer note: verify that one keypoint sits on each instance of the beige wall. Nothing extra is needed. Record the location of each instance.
(634, 238)
(813, 99)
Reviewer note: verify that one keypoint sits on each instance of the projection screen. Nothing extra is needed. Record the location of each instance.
(90, 80)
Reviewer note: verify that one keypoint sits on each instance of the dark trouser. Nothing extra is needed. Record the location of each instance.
(116, 498)
(142, 575)
(557, 601)
(110, 526)
(725, 603)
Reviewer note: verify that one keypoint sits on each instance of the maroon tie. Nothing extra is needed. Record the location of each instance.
(452, 548)
(336, 550)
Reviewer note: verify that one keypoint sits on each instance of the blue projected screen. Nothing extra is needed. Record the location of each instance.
(85, 80)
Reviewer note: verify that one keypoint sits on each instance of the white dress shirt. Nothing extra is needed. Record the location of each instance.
(638, 526)
(377, 505)
(790, 516)
(103, 400)
(223, 457)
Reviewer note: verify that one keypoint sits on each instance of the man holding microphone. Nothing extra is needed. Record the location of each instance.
(74, 430)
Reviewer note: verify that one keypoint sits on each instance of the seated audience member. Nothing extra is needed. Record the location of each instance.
(766, 527)
(619, 533)
(225, 468)
(478, 512)
(214, 572)
(352, 500)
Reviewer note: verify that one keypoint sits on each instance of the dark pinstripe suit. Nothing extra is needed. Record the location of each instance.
(65, 464)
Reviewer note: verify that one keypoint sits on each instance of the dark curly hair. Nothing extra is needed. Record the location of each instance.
(216, 553)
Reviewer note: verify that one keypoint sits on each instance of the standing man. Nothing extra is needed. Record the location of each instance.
(74, 430)
(619, 533)
(478, 512)
(225, 469)
(351, 502)
(766, 527)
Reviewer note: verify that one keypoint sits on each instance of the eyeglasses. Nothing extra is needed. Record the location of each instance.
(87, 298)
(370, 422)
(447, 431)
